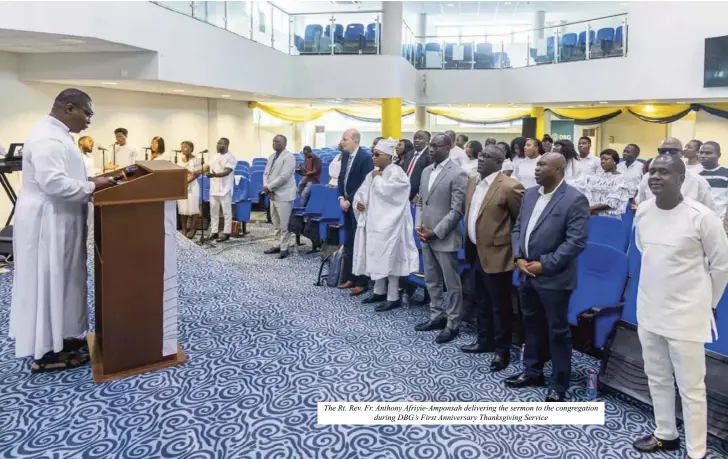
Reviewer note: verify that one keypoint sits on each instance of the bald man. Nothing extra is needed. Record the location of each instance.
(356, 164)
(694, 187)
(683, 274)
(549, 234)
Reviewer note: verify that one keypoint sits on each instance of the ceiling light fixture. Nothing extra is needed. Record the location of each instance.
(225, 95)
(451, 4)
(507, 3)
(111, 83)
(582, 105)
(72, 41)
(602, 102)
(179, 90)
(681, 102)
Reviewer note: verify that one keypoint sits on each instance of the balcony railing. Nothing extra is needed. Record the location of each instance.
(607, 37)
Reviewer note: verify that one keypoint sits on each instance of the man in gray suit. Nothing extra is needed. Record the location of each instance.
(279, 185)
(439, 211)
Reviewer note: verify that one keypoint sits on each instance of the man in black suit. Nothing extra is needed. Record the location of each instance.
(549, 234)
(355, 165)
(416, 161)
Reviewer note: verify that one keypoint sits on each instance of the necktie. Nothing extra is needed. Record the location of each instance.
(273, 163)
(412, 163)
(348, 169)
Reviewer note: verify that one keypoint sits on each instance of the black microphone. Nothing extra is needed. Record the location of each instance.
(203, 152)
(102, 148)
(127, 172)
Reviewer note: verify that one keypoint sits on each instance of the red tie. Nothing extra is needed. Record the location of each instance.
(412, 164)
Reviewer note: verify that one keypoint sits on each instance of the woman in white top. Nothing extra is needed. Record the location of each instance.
(158, 150)
(472, 149)
(525, 170)
(518, 146)
(508, 165)
(334, 171)
(189, 209)
(608, 193)
(574, 173)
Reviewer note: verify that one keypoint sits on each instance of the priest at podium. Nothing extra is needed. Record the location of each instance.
(49, 313)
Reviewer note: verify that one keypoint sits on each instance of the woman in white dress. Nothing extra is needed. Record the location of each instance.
(472, 149)
(334, 171)
(158, 150)
(189, 209)
(608, 193)
(574, 172)
(525, 169)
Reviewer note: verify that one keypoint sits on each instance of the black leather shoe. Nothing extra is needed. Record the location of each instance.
(478, 347)
(523, 380)
(373, 298)
(499, 363)
(431, 325)
(447, 335)
(554, 396)
(212, 237)
(224, 238)
(284, 254)
(388, 306)
(272, 250)
(650, 444)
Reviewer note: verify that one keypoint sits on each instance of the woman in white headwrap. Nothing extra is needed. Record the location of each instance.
(384, 246)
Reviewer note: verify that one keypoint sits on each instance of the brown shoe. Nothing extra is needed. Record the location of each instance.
(356, 291)
(347, 284)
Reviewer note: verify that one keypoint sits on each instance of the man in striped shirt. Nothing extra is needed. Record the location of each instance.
(716, 175)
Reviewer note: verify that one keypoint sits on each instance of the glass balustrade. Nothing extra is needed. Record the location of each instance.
(336, 33)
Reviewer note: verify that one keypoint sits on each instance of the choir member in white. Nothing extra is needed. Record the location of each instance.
(472, 149)
(220, 171)
(457, 154)
(607, 192)
(574, 172)
(694, 186)
(384, 247)
(631, 169)
(684, 273)
(49, 313)
(189, 209)
(159, 151)
(525, 169)
(125, 153)
(590, 164)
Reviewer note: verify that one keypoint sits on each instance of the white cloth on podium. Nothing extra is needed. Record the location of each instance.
(169, 316)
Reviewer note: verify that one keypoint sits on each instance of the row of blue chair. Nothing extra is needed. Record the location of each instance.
(354, 39)
(608, 41)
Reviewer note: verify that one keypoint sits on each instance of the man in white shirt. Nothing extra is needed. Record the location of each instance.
(631, 169)
(691, 156)
(457, 154)
(590, 164)
(220, 171)
(694, 186)
(492, 206)
(716, 175)
(683, 275)
(125, 154)
(279, 184)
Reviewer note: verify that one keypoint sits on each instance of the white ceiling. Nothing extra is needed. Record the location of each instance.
(18, 41)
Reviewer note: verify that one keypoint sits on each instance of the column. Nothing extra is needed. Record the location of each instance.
(392, 117)
(421, 118)
(299, 137)
(422, 29)
(538, 113)
(391, 28)
(538, 22)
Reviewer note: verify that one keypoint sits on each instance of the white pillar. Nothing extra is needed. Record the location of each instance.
(420, 117)
(538, 23)
(392, 28)
(422, 28)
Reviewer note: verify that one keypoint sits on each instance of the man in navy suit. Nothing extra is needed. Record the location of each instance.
(550, 232)
(355, 165)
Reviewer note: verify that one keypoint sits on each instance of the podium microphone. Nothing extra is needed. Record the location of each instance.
(127, 172)
(146, 153)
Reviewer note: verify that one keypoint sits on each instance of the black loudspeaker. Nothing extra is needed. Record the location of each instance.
(528, 129)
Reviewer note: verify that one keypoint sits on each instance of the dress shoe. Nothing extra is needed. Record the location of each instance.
(272, 250)
(347, 284)
(431, 325)
(283, 254)
(224, 237)
(499, 363)
(554, 396)
(478, 347)
(388, 306)
(374, 298)
(447, 335)
(356, 291)
(650, 444)
(688, 457)
(523, 380)
(212, 237)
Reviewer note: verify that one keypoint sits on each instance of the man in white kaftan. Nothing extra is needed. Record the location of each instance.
(384, 246)
(49, 311)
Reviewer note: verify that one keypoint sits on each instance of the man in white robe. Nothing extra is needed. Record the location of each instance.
(683, 275)
(49, 312)
(384, 247)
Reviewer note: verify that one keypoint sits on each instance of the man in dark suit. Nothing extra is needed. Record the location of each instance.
(416, 161)
(492, 205)
(550, 232)
(355, 165)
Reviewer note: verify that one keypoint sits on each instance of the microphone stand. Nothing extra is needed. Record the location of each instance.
(176, 152)
(146, 153)
(203, 242)
(113, 148)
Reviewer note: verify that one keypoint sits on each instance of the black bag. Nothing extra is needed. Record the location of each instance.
(334, 264)
(311, 231)
(296, 224)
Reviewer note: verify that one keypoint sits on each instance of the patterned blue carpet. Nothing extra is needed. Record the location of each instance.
(264, 346)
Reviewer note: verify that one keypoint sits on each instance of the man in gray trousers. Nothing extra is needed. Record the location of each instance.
(279, 185)
(440, 208)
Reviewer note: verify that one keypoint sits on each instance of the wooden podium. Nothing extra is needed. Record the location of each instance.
(129, 239)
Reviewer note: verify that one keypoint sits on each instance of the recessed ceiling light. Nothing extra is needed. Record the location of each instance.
(179, 90)
(569, 106)
(450, 4)
(111, 83)
(508, 3)
(602, 102)
(72, 41)
(582, 105)
(225, 95)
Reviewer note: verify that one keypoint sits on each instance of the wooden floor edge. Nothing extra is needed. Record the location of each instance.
(97, 367)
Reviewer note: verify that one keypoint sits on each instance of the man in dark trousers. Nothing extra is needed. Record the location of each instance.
(492, 205)
(355, 165)
(550, 232)
(416, 161)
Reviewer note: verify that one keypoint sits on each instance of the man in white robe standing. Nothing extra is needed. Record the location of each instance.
(49, 312)
(683, 275)
(384, 247)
